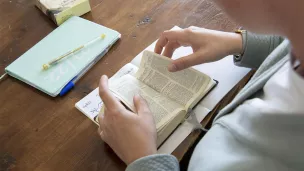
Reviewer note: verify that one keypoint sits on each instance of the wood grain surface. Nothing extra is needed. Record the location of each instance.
(38, 132)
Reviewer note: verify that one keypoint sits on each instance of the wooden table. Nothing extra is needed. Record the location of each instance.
(38, 132)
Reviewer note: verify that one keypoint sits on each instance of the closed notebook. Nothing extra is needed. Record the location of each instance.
(71, 34)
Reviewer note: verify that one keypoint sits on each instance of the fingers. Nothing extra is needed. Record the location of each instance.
(100, 120)
(101, 125)
(183, 62)
(141, 106)
(178, 36)
(105, 94)
(170, 48)
(160, 44)
(101, 134)
(194, 28)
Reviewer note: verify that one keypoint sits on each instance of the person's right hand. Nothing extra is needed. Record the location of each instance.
(208, 46)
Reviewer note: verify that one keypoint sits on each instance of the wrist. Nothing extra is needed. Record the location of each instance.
(236, 42)
(140, 154)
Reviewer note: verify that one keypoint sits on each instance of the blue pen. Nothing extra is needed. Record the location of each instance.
(71, 84)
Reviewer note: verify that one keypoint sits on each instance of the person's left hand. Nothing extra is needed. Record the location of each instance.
(130, 135)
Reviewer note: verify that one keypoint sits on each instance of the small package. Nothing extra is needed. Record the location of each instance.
(61, 10)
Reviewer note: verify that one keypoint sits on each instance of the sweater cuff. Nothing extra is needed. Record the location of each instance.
(156, 162)
(256, 49)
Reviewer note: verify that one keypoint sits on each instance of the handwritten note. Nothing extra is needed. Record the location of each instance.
(91, 104)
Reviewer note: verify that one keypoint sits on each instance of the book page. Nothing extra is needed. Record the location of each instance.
(91, 104)
(184, 87)
(162, 108)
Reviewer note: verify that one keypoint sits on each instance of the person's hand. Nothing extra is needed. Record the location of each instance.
(207, 45)
(130, 135)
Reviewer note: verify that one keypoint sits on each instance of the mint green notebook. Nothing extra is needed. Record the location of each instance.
(70, 35)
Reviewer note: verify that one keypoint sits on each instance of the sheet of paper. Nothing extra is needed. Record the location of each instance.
(91, 104)
(223, 71)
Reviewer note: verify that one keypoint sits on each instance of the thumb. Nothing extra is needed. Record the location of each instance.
(184, 62)
(141, 106)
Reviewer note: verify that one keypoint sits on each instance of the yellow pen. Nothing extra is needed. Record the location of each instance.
(56, 60)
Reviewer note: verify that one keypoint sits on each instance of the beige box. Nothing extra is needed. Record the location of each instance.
(61, 10)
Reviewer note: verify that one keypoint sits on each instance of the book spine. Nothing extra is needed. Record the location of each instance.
(46, 11)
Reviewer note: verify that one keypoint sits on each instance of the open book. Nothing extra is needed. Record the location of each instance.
(170, 95)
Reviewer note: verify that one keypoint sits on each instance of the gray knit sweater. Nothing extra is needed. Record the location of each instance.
(242, 138)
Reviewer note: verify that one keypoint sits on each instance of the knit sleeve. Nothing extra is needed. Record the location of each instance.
(256, 49)
(157, 162)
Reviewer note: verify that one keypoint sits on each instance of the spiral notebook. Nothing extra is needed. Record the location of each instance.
(71, 34)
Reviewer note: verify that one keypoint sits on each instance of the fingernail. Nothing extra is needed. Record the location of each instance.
(138, 95)
(104, 77)
(172, 68)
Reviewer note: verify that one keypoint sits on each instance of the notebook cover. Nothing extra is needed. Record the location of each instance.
(73, 33)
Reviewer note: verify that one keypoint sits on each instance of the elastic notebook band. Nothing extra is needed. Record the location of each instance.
(192, 119)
